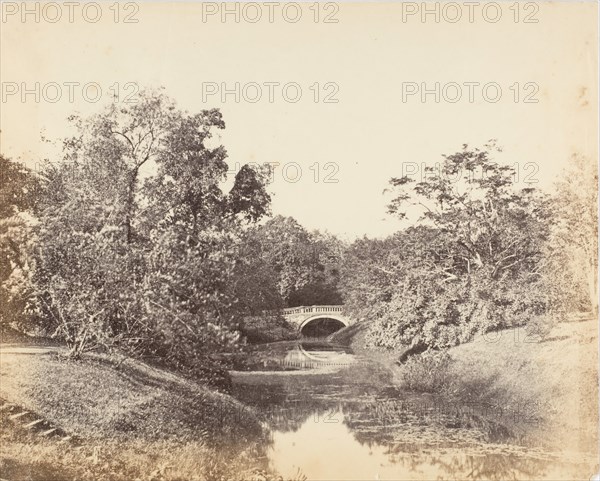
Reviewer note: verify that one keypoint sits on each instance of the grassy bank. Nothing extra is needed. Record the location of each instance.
(543, 391)
(133, 422)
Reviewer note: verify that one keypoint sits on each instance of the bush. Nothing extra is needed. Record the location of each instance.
(539, 327)
(428, 372)
(426, 311)
(267, 328)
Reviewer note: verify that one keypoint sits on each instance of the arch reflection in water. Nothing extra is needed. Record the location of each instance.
(311, 355)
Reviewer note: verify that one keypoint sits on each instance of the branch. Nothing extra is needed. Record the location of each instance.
(127, 139)
(175, 316)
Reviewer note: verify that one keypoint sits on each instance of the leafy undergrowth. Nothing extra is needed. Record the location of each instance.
(428, 372)
(263, 329)
(135, 422)
(543, 391)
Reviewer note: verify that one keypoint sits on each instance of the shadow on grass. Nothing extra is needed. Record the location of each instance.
(17, 470)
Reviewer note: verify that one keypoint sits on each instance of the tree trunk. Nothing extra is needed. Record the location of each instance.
(129, 205)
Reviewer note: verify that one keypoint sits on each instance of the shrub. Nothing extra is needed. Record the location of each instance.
(267, 328)
(428, 372)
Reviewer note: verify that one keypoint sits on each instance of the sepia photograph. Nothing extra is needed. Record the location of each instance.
(299, 241)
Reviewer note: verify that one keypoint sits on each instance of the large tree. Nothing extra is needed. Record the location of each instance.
(474, 202)
(472, 261)
(137, 238)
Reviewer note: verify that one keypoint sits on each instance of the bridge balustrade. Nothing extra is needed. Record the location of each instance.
(311, 309)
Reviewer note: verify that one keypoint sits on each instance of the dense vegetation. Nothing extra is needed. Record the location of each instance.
(131, 243)
(481, 255)
(123, 259)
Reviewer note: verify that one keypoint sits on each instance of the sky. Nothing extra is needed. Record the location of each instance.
(341, 108)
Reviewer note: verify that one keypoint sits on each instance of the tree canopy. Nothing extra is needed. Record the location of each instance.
(474, 261)
(144, 259)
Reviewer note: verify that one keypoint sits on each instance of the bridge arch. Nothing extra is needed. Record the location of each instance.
(322, 324)
(308, 320)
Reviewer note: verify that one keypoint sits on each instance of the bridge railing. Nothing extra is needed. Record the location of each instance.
(312, 309)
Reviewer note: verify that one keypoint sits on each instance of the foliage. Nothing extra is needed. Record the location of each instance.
(472, 263)
(428, 372)
(268, 327)
(322, 289)
(255, 283)
(487, 222)
(303, 265)
(137, 241)
(17, 302)
(138, 247)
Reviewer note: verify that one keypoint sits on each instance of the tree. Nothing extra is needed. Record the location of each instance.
(473, 261)
(473, 201)
(306, 264)
(256, 280)
(17, 189)
(575, 235)
(138, 242)
(326, 260)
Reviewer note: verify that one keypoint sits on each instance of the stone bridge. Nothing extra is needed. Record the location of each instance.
(317, 321)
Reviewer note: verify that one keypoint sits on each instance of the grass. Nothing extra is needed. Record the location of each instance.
(24, 457)
(428, 372)
(135, 422)
(544, 391)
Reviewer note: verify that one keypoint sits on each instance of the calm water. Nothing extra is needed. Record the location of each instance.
(336, 416)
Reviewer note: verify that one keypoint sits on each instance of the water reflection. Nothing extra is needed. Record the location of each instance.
(314, 355)
(332, 452)
(294, 355)
(351, 423)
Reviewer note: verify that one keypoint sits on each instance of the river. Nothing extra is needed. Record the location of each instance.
(338, 416)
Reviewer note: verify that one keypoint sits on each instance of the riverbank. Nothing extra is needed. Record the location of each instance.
(539, 392)
(363, 421)
(550, 383)
(121, 421)
(519, 404)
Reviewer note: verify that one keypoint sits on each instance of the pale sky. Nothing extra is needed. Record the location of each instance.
(370, 56)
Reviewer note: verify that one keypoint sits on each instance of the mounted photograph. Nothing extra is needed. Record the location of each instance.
(299, 241)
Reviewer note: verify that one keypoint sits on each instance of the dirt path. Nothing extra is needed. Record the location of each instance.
(20, 349)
